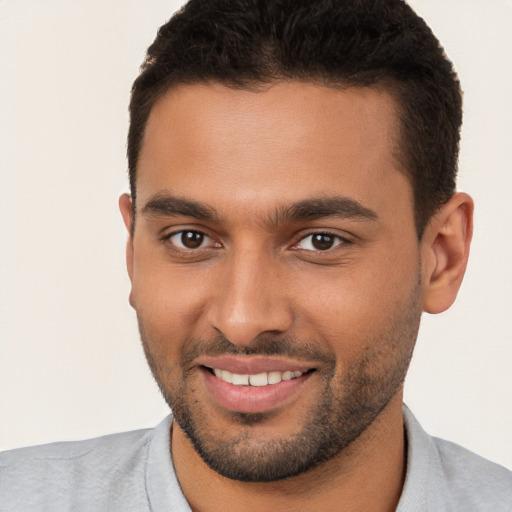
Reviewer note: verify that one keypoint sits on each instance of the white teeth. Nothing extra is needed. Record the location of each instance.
(258, 379)
(226, 376)
(274, 377)
(240, 380)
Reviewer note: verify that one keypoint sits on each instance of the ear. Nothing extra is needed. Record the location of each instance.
(125, 205)
(445, 250)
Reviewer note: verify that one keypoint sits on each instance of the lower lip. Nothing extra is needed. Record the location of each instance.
(252, 399)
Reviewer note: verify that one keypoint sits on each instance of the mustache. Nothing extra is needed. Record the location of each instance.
(264, 345)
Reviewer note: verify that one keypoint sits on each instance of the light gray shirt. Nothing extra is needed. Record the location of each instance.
(133, 471)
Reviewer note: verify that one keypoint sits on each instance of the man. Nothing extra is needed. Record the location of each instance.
(292, 213)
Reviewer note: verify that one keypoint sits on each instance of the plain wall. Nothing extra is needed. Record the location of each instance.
(71, 365)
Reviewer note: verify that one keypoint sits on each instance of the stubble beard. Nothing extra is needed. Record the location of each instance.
(346, 407)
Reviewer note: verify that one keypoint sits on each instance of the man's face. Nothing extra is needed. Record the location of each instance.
(275, 270)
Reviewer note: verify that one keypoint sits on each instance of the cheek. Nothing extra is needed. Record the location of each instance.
(168, 301)
(352, 307)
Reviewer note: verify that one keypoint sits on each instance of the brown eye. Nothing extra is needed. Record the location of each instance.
(320, 242)
(192, 239)
(189, 239)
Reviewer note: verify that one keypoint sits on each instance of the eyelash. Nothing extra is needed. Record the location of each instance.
(337, 241)
(168, 238)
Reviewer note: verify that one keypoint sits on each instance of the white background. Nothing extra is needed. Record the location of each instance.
(71, 365)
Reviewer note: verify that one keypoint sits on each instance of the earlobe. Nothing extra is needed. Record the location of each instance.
(445, 251)
(125, 206)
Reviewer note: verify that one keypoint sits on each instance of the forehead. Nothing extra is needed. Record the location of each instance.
(281, 143)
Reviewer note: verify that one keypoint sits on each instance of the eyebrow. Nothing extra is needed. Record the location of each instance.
(318, 208)
(166, 205)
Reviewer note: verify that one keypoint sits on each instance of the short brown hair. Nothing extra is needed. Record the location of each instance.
(365, 43)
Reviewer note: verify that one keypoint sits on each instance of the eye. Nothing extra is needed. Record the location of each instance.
(319, 242)
(190, 240)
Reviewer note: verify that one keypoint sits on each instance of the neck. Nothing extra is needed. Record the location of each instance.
(368, 475)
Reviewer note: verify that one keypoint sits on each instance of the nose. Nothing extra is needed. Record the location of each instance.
(250, 300)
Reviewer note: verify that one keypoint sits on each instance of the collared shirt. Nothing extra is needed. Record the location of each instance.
(133, 472)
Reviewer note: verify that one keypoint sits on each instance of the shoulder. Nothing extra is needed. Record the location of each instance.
(77, 475)
(443, 476)
(88, 452)
(473, 479)
(70, 449)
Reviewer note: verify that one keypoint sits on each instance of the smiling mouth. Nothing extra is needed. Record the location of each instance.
(258, 379)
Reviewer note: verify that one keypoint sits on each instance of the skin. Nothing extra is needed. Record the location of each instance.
(247, 156)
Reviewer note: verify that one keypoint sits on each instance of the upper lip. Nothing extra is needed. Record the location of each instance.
(252, 365)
